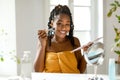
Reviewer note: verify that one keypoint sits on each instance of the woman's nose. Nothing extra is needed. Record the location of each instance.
(64, 27)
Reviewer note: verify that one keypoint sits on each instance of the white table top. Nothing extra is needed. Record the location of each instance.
(57, 76)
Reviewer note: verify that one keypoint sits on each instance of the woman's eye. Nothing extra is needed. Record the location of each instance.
(67, 24)
(59, 24)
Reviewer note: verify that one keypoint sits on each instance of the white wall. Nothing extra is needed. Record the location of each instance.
(30, 18)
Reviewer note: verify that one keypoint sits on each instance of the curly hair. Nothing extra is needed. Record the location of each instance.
(62, 9)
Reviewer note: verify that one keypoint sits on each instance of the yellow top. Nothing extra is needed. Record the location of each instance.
(61, 62)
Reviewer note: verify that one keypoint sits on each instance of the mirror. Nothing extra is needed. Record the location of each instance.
(94, 56)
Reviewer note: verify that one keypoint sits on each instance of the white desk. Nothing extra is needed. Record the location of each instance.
(13, 78)
(57, 76)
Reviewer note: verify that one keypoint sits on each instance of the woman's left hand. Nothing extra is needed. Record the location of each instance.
(85, 47)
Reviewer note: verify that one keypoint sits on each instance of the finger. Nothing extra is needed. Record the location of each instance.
(42, 35)
(41, 31)
(89, 44)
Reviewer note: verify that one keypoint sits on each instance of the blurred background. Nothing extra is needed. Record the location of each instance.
(21, 19)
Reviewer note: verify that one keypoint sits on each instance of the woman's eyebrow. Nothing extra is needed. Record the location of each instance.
(62, 21)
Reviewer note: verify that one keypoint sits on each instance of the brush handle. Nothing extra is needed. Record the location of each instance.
(79, 48)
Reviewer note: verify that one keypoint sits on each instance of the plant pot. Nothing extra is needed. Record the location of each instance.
(117, 66)
(118, 61)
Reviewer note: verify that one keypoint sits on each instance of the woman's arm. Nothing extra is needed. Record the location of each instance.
(81, 61)
(40, 57)
(82, 65)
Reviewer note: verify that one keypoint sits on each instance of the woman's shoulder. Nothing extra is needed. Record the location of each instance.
(77, 41)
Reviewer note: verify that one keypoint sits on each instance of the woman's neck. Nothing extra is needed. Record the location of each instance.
(59, 40)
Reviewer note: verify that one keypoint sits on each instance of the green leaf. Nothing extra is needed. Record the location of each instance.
(114, 9)
(115, 29)
(112, 4)
(1, 59)
(18, 60)
(117, 3)
(117, 52)
(118, 17)
(118, 45)
(109, 13)
(116, 39)
(119, 21)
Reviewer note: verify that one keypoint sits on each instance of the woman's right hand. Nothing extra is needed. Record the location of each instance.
(42, 36)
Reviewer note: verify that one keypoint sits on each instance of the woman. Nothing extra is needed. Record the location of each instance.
(54, 48)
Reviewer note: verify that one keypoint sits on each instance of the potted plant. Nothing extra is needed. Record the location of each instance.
(115, 6)
(113, 11)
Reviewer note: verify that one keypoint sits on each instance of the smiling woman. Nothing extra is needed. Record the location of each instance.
(87, 17)
(54, 53)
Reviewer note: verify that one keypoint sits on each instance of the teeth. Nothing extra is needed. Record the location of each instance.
(62, 31)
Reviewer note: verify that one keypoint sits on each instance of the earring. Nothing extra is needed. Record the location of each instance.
(67, 33)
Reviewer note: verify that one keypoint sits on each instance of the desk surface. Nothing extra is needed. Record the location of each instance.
(57, 76)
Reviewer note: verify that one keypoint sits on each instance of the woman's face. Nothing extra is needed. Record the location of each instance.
(61, 24)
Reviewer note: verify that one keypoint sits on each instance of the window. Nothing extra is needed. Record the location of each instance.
(87, 17)
(82, 19)
(7, 37)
